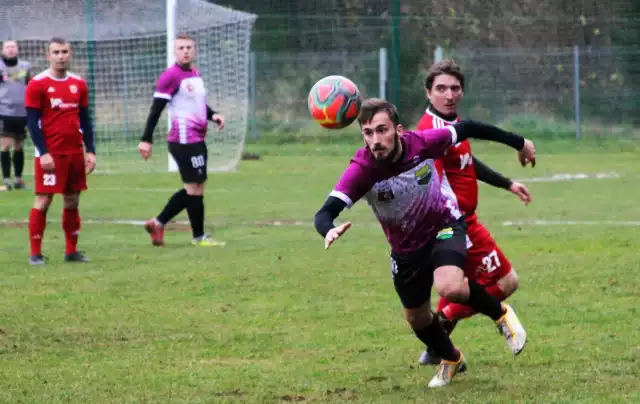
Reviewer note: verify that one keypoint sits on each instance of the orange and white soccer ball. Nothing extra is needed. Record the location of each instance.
(334, 102)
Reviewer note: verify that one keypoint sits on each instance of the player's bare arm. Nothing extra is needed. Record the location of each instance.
(489, 176)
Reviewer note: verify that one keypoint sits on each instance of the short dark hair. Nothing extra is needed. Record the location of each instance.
(184, 35)
(372, 106)
(58, 40)
(446, 66)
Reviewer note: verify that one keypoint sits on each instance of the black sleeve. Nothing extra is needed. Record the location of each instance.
(478, 130)
(154, 116)
(210, 113)
(33, 123)
(331, 209)
(487, 175)
(87, 130)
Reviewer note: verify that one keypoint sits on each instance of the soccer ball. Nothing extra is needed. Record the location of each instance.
(334, 102)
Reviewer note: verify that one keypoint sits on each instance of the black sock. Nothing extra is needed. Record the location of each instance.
(176, 203)
(195, 210)
(18, 162)
(483, 302)
(5, 160)
(434, 337)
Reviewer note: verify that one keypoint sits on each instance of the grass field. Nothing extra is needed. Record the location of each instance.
(272, 317)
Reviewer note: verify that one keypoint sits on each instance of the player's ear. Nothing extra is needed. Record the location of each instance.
(399, 129)
(428, 93)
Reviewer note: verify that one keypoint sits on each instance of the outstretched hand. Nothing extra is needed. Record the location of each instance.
(527, 154)
(335, 233)
(521, 191)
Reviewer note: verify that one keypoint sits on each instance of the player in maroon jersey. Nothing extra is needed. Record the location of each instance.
(60, 126)
(460, 170)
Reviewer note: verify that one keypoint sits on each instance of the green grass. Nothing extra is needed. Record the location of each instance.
(272, 317)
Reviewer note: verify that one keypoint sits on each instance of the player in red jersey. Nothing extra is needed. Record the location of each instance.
(60, 126)
(460, 170)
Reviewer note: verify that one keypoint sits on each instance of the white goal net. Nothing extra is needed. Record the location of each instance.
(120, 48)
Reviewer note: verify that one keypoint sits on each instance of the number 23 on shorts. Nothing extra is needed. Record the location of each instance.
(49, 180)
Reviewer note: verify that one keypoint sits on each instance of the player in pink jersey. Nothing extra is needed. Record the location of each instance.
(395, 173)
(486, 264)
(182, 87)
(60, 126)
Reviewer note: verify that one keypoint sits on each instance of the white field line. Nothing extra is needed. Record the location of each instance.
(571, 177)
(301, 223)
(213, 189)
(571, 223)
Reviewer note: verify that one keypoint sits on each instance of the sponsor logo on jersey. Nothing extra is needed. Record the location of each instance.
(57, 104)
(445, 234)
(423, 175)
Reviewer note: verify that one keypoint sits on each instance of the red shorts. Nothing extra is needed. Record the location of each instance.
(69, 175)
(485, 264)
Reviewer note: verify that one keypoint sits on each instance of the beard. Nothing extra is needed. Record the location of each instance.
(391, 156)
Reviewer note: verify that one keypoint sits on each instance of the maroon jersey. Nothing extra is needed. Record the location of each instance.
(405, 196)
(59, 102)
(456, 167)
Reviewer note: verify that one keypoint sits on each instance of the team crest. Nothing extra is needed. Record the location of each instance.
(385, 194)
(189, 88)
(445, 234)
(73, 89)
(423, 175)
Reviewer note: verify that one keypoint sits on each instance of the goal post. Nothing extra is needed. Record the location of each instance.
(121, 46)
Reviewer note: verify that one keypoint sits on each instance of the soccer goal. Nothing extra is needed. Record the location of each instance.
(121, 46)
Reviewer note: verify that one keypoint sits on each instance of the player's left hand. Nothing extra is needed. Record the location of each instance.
(335, 233)
(218, 120)
(90, 162)
(527, 154)
(521, 191)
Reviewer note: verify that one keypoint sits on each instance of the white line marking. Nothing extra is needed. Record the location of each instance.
(571, 223)
(571, 177)
(133, 222)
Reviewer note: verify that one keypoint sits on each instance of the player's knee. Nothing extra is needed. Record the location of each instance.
(42, 202)
(18, 145)
(5, 145)
(420, 317)
(71, 201)
(194, 189)
(449, 283)
(509, 283)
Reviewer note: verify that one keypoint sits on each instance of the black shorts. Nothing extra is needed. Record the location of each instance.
(13, 126)
(413, 272)
(191, 159)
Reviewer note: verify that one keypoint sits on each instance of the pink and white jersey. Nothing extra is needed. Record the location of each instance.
(406, 196)
(184, 88)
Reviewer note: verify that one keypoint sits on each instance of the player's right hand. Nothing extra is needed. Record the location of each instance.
(521, 191)
(46, 162)
(527, 154)
(144, 148)
(335, 233)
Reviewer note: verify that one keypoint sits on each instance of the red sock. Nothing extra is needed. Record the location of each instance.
(455, 311)
(442, 303)
(71, 227)
(37, 224)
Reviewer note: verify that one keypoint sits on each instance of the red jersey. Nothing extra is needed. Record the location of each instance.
(59, 102)
(456, 167)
